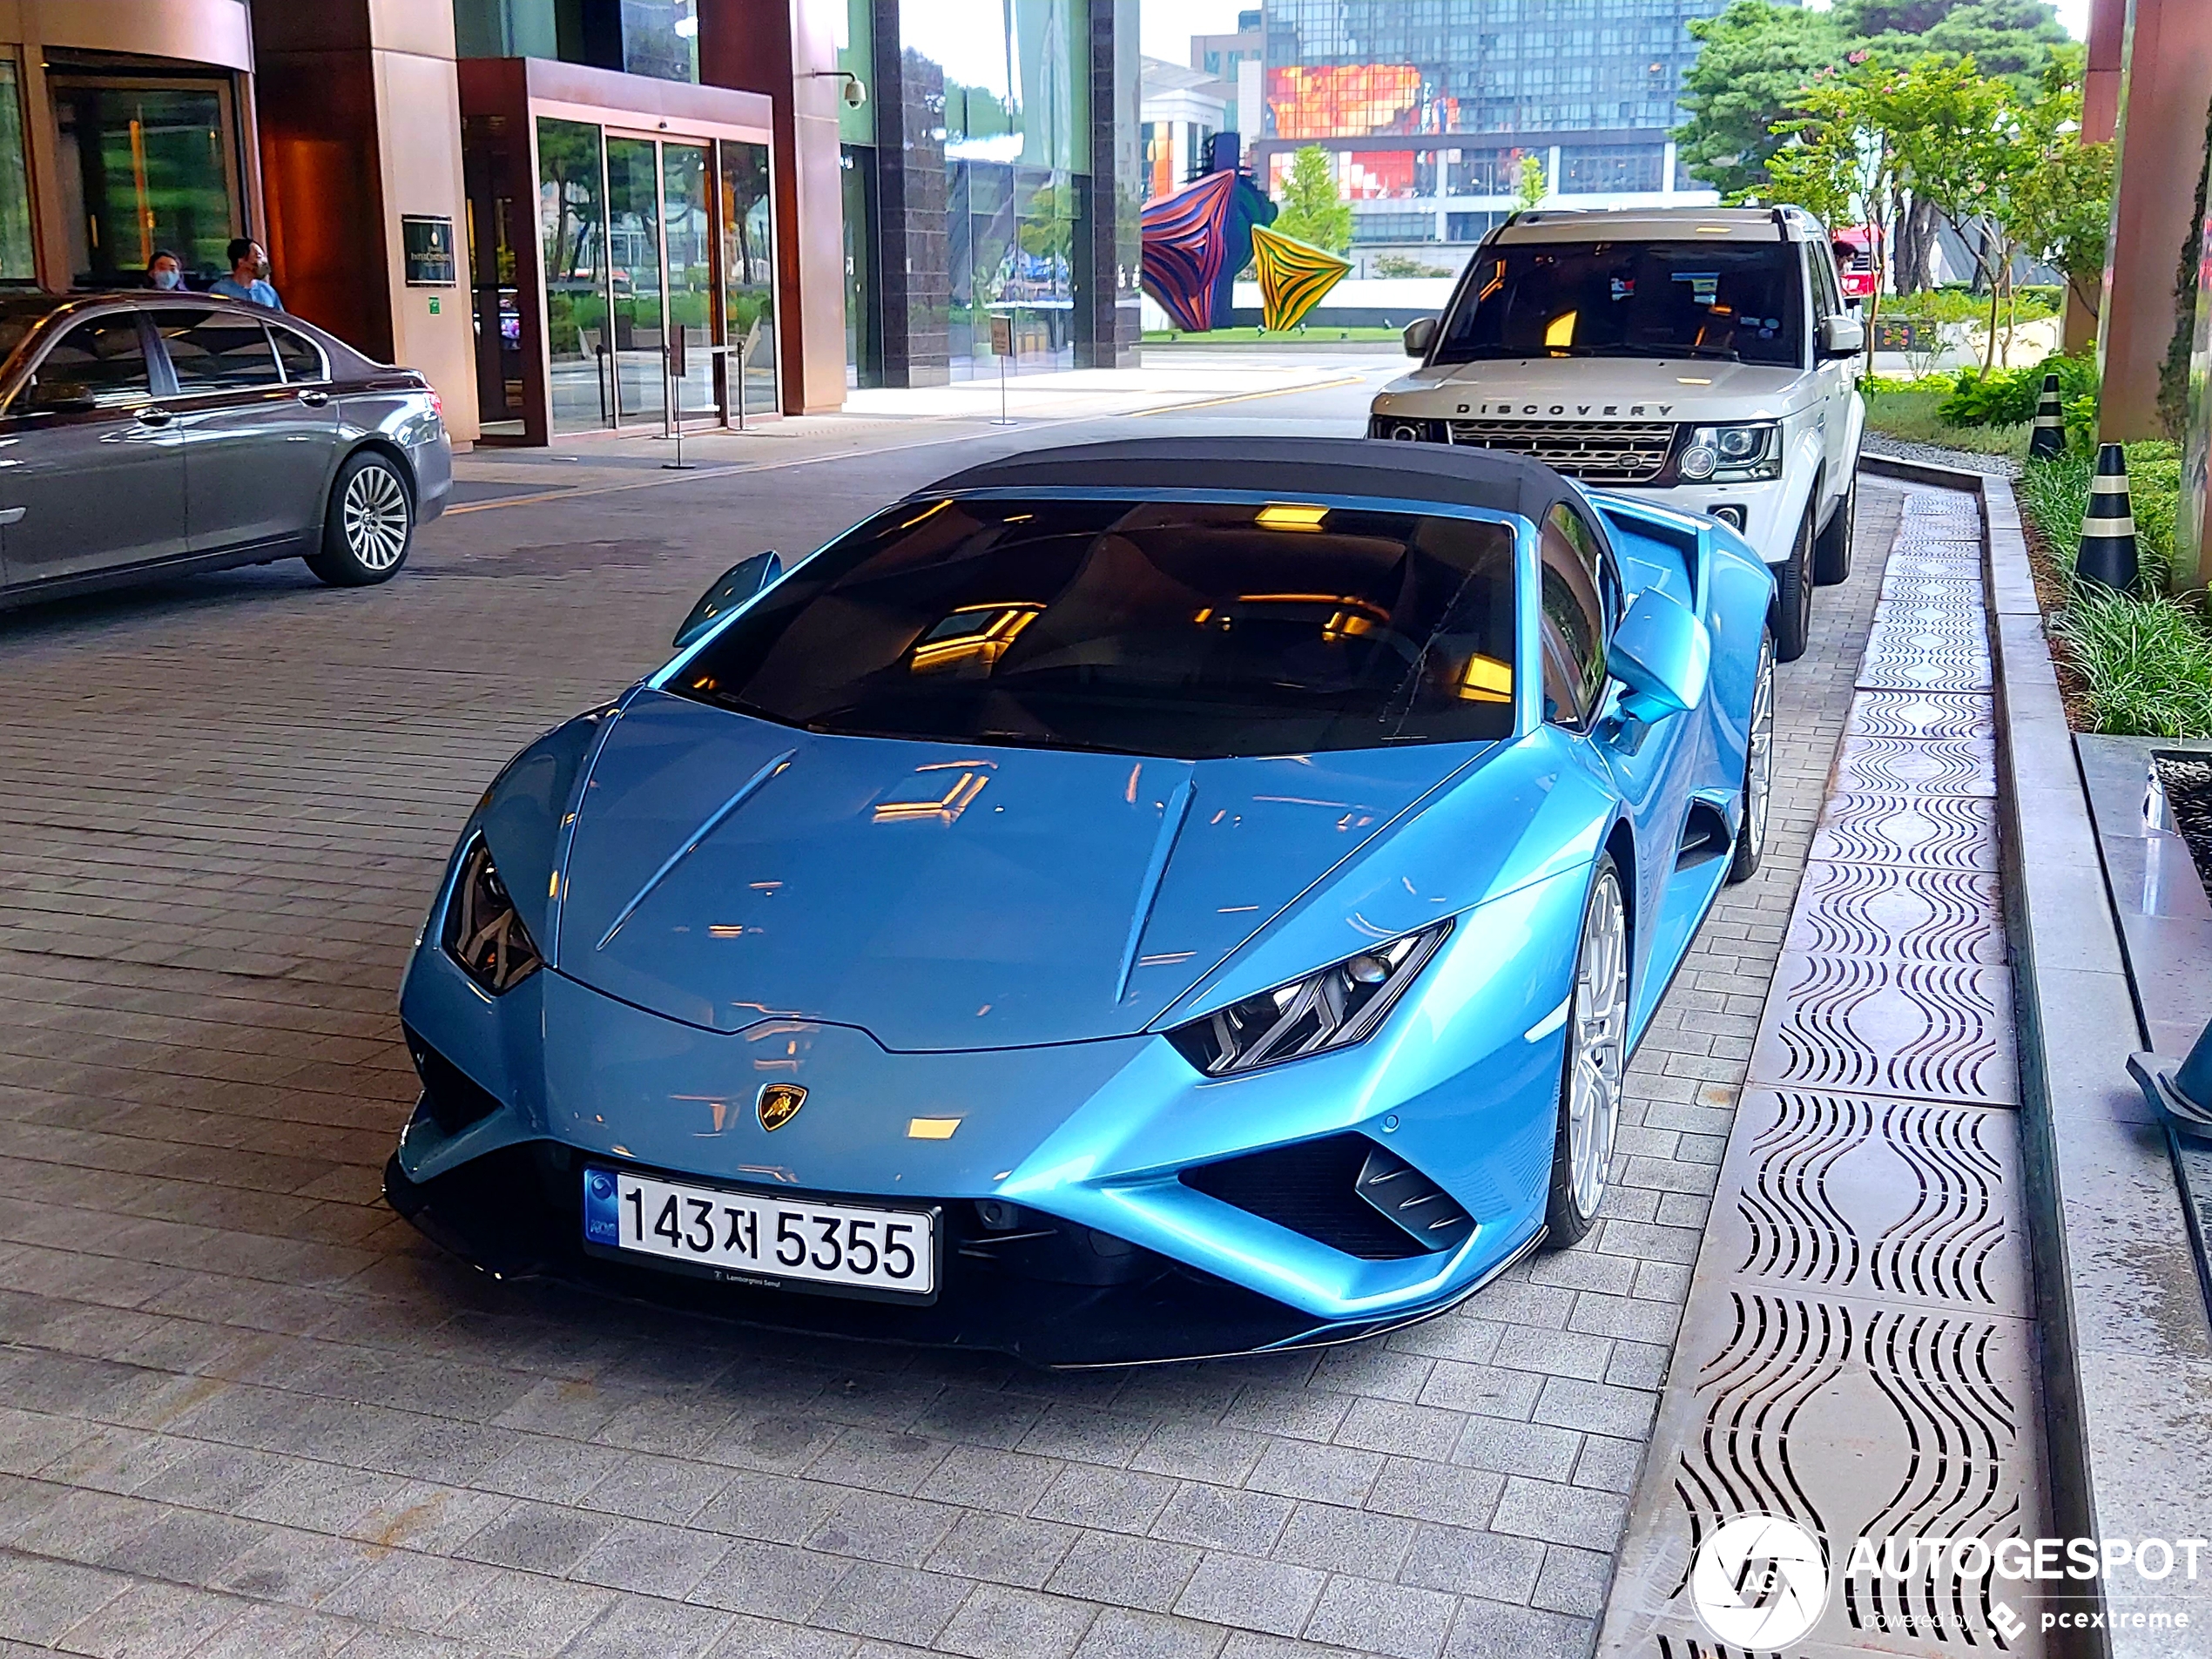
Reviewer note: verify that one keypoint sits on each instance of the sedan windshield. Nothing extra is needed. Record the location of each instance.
(1157, 628)
(1735, 303)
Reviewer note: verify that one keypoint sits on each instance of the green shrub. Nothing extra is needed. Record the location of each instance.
(1911, 414)
(2007, 396)
(2146, 664)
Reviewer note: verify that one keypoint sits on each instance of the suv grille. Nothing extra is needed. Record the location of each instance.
(1596, 452)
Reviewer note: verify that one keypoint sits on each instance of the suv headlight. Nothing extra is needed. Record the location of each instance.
(483, 932)
(1732, 454)
(1340, 1005)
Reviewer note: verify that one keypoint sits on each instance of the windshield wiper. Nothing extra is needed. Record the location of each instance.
(1723, 354)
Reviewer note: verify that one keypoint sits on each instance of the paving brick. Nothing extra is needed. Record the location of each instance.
(998, 1623)
(1251, 1595)
(1119, 1634)
(1146, 1573)
(1391, 1619)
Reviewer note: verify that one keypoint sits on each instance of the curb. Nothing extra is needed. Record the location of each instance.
(2127, 1373)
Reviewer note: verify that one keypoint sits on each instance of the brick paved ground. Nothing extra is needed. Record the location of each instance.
(245, 1411)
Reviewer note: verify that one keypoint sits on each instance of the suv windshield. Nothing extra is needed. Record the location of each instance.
(1735, 302)
(1156, 627)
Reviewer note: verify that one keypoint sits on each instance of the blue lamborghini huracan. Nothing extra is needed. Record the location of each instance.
(1121, 903)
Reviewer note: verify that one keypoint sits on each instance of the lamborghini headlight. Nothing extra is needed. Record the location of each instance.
(1732, 454)
(1340, 1005)
(484, 932)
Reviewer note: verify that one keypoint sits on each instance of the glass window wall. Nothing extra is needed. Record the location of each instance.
(18, 259)
(1016, 133)
(146, 165)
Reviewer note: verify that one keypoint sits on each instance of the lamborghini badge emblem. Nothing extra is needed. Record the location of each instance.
(779, 1103)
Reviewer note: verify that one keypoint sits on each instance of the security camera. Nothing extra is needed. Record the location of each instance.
(855, 91)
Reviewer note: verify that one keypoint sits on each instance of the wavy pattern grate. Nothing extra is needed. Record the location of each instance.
(1856, 1354)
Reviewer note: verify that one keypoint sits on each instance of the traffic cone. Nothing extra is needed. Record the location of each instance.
(2183, 1091)
(2108, 555)
(2049, 437)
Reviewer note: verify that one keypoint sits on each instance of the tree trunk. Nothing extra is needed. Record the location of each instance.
(1916, 237)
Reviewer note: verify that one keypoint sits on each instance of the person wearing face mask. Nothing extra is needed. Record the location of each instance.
(166, 270)
(249, 276)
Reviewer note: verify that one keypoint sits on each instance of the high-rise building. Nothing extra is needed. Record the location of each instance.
(1433, 109)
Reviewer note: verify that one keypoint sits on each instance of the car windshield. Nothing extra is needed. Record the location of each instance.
(1158, 628)
(1739, 301)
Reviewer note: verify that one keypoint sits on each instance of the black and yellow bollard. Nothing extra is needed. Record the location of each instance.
(2108, 555)
(2049, 437)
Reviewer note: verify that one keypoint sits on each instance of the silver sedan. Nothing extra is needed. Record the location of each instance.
(144, 435)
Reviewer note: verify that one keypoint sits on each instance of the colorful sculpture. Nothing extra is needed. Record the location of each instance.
(1196, 240)
(1293, 276)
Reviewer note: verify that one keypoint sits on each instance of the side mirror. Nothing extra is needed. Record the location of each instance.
(736, 586)
(1842, 337)
(1663, 654)
(1421, 334)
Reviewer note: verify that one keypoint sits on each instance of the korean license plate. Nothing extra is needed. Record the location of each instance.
(754, 1235)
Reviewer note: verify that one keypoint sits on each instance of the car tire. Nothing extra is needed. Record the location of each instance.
(1792, 618)
(1591, 1077)
(1758, 769)
(368, 528)
(1832, 547)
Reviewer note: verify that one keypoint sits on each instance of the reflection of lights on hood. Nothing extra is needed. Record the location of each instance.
(1559, 334)
(931, 1128)
(938, 800)
(1287, 516)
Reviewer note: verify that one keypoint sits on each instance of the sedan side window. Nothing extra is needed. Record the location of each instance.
(1574, 621)
(100, 363)
(301, 357)
(213, 351)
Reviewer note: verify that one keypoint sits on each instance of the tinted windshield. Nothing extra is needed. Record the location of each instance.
(1629, 299)
(1154, 628)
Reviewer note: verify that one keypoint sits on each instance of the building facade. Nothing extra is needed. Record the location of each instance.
(995, 171)
(1183, 111)
(1432, 110)
(580, 216)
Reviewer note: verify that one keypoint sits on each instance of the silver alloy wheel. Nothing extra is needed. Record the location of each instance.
(1601, 1031)
(375, 517)
(1758, 780)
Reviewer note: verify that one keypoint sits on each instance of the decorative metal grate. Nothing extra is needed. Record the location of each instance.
(1596, 452)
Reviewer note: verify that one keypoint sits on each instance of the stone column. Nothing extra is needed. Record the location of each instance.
(787, 50)
(1109, 320)
(2165, 89)
(359, 108)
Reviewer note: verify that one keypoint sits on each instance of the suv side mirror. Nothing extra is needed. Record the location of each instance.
(1842, 336)
(735, 585)
(1663, 654)
(1421, 334)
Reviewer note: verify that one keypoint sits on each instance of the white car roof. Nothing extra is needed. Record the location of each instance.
(1662, 225)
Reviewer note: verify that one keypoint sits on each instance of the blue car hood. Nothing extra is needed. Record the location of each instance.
(724, 870)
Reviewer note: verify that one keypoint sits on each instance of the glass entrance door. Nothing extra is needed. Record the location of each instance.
(688, 216)
(642, 236)
(633, 243)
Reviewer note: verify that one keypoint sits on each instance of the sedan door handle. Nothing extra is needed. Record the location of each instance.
(154, 417)
(314, 400)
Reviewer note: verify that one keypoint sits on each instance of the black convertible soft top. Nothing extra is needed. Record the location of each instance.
(1285, 469)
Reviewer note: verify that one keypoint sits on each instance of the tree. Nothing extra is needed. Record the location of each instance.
(1756, 59)
(2011, 39)
(2062, 206)
(1313, 212)
(1839, 160)
(1533, 187)
(1966, 143)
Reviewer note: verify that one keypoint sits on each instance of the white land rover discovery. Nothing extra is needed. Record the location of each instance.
(1703, 356)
